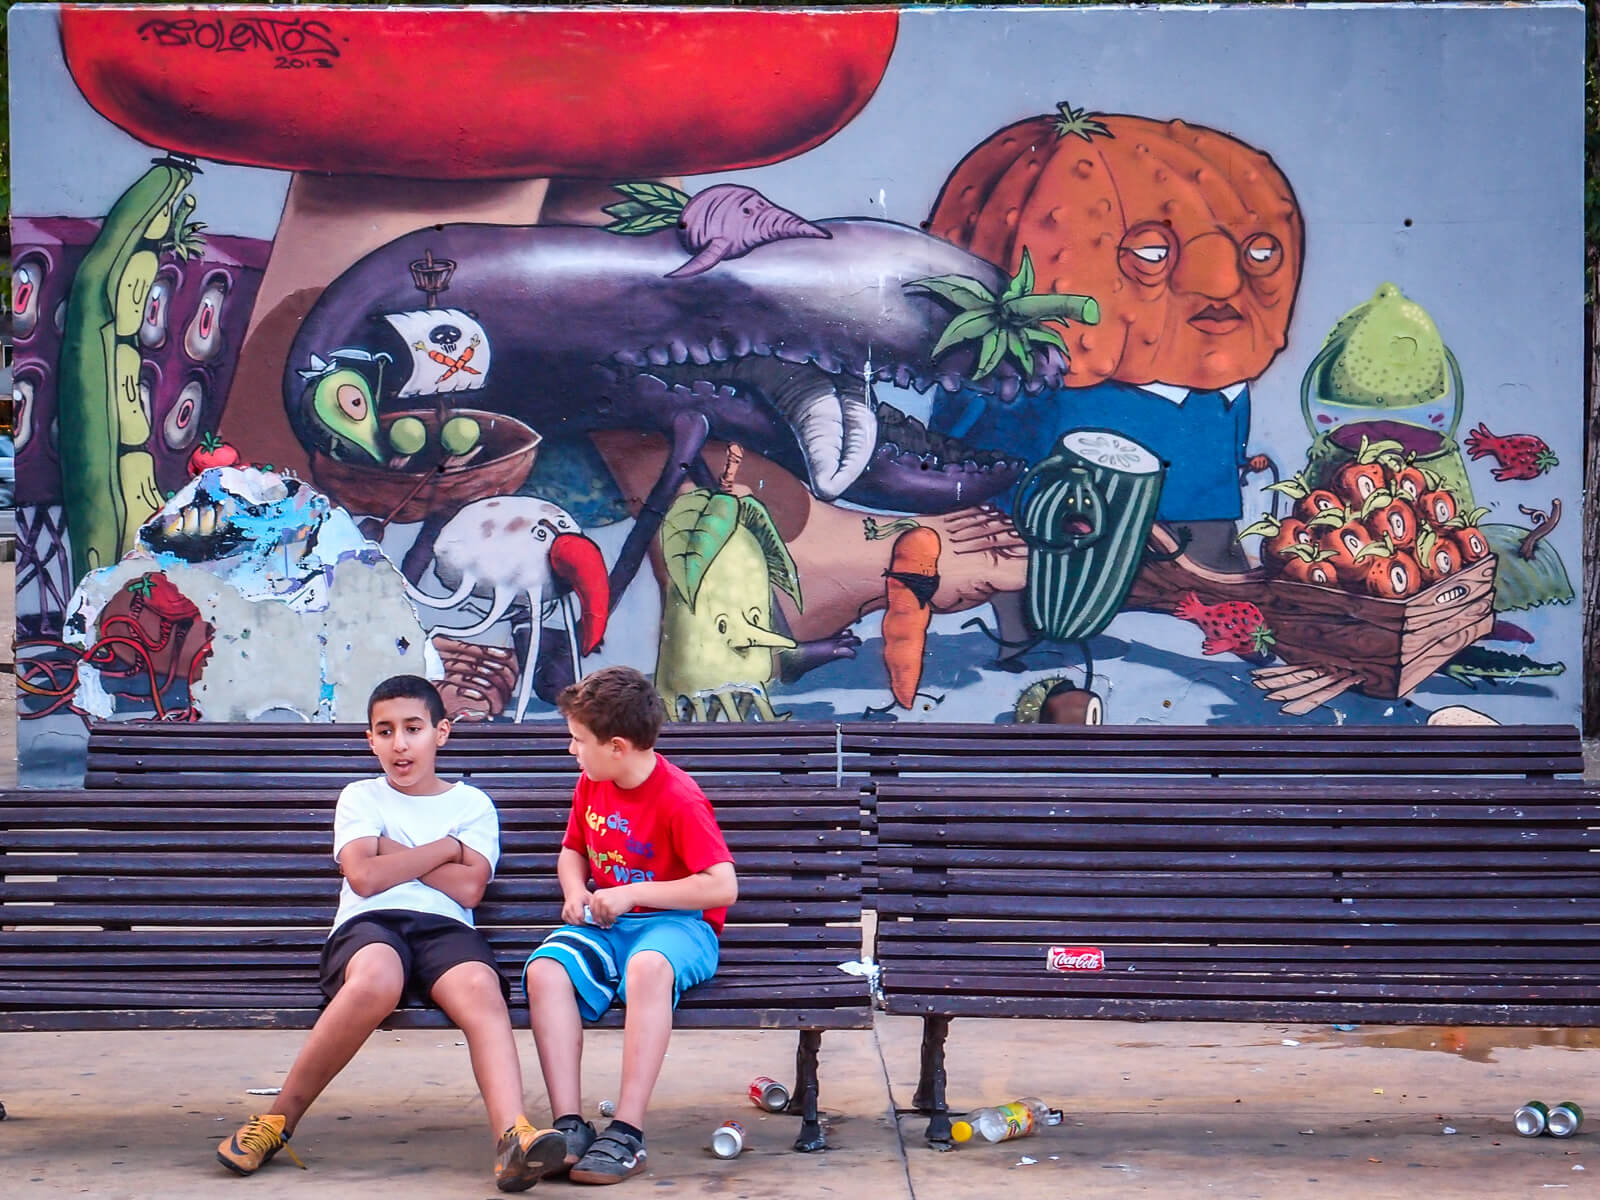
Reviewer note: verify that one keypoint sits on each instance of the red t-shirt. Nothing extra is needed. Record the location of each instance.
(662, 830)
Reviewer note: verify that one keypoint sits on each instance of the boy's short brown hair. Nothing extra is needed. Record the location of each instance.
(615, 702)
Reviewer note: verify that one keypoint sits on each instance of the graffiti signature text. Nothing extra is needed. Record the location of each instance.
(293, 41)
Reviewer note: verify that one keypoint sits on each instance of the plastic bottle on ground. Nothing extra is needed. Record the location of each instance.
(1006, 1121)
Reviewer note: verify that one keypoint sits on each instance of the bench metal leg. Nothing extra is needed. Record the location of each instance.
(929, 1096)
(803, 1099)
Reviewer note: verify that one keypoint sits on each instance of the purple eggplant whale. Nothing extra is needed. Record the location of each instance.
(779, 349)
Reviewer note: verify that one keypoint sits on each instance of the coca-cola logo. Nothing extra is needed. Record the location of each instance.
(1076, 958)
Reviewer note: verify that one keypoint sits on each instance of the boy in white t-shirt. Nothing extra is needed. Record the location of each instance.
(416, 854)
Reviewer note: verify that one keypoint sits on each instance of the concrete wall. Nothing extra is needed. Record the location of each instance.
(950, 365)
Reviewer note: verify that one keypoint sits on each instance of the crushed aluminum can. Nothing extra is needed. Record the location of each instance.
(607, 1108)
(728, 1140)
(1564, 1119)
(767, 1093)
(1531, 1118)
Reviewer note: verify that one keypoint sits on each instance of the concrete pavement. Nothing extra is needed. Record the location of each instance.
(1164, 1109)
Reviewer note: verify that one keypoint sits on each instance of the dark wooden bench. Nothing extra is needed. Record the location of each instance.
(274, 755)
(1451, 901)
(170, 909)
(880, 750)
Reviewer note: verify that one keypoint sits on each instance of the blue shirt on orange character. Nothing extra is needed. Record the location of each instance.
(1199, 435)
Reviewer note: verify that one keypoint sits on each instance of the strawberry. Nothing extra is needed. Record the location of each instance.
(1234, 626)
(212, 452)
(1520, 455)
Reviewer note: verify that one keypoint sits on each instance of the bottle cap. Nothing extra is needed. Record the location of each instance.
(1054, 1116)
(960, 1131)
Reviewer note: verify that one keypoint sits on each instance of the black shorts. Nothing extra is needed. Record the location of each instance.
(428, 946)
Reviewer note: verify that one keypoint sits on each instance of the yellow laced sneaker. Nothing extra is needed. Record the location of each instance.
(254, 1143)
(525, 1155)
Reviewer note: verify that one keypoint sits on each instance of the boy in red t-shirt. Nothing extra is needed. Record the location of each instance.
(646, 880)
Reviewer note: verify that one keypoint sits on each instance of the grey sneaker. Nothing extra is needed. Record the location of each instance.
(580, 1136)
(613, 1157)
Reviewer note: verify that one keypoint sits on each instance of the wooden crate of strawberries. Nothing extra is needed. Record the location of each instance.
(1378, 578)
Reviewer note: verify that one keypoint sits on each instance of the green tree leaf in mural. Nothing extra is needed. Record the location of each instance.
(753, 515)
(648, 207)
(693, 533)
(1009, 325)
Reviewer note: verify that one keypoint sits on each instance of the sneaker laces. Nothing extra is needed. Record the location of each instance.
(263, 1137)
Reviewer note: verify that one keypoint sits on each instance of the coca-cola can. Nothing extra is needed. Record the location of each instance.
(1564, 1119)
(766, 1092)
(1075, 958)
(728, 1140)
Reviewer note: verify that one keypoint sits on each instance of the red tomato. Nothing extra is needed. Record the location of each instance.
(212, 452)
(1393, 577)
(480, 93)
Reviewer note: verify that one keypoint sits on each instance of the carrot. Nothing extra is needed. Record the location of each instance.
(912, 579)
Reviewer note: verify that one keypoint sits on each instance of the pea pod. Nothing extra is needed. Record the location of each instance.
(108, 475)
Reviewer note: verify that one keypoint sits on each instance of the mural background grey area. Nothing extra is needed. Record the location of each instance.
(1382, 131)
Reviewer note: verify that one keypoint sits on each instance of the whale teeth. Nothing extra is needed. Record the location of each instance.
(658, 355)
(837, 431)
(718, 349)
(699, 355)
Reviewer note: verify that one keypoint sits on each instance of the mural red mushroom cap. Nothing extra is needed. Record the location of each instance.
(395, 118)
(477, 93)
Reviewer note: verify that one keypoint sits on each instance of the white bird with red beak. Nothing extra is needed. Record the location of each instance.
(512, 546)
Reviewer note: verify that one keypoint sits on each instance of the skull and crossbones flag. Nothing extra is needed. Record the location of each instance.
(449, 351)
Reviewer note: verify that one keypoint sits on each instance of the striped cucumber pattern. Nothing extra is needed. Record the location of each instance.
(1074, 594)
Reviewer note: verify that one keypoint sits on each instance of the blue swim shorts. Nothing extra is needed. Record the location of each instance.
(596, 960)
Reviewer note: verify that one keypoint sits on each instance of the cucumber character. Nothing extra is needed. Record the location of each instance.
(108, 478)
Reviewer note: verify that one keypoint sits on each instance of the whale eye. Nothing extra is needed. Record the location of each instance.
(722, 625)
(754, 616)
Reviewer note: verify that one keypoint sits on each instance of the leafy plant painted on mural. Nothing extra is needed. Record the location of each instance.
(727, 220)
(700, 523)
(1010, 324)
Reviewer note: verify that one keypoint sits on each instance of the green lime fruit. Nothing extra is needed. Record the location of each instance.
(459, 435)
(408, 435)
(1389, 351)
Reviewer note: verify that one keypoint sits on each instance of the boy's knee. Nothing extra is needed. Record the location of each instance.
(545, 976)
(376, 978)
(649, 970)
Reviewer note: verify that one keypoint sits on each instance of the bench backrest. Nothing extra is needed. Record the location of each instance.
(1466, 901)
(187, 889)
(886, 751)
(272, 755)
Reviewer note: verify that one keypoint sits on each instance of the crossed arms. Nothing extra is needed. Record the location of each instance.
(376, 864)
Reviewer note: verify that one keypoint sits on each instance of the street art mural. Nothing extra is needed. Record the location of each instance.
(762, 351)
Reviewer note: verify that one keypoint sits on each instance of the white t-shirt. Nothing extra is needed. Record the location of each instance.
(370, 808)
